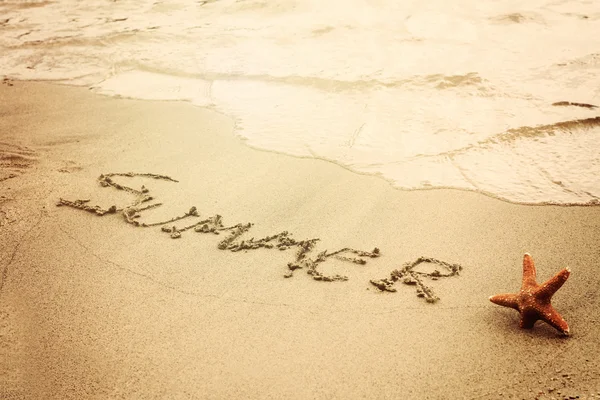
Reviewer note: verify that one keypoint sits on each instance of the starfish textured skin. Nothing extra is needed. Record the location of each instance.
(533, 300)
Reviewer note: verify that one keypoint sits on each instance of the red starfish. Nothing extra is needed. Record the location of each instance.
(533, 300)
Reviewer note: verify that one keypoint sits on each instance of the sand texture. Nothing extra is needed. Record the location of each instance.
(148, 253)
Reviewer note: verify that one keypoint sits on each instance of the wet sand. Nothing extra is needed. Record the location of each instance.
(100, 306)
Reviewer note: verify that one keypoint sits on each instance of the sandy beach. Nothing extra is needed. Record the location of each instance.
(93, 307)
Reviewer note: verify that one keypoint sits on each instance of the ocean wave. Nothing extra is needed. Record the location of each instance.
(423, 95)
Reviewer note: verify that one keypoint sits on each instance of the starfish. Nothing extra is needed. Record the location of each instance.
(533, 300)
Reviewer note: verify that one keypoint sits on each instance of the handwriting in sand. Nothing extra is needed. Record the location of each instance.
(282, 241)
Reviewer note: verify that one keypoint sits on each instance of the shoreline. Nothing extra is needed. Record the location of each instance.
(379, 175)
(80, 287)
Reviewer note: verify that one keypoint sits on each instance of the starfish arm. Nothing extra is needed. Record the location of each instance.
(529, 272)
(548, 288)
(554, 319)
(505, 300)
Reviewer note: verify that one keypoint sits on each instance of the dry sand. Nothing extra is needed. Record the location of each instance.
(94, 308)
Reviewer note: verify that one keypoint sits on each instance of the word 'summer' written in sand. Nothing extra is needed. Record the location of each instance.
(282, 241)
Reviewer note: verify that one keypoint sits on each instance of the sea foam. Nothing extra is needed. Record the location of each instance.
(424, 95)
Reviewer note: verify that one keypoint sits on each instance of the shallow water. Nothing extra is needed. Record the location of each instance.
(425, 94)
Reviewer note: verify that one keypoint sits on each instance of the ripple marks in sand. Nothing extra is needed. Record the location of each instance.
(14, 160)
